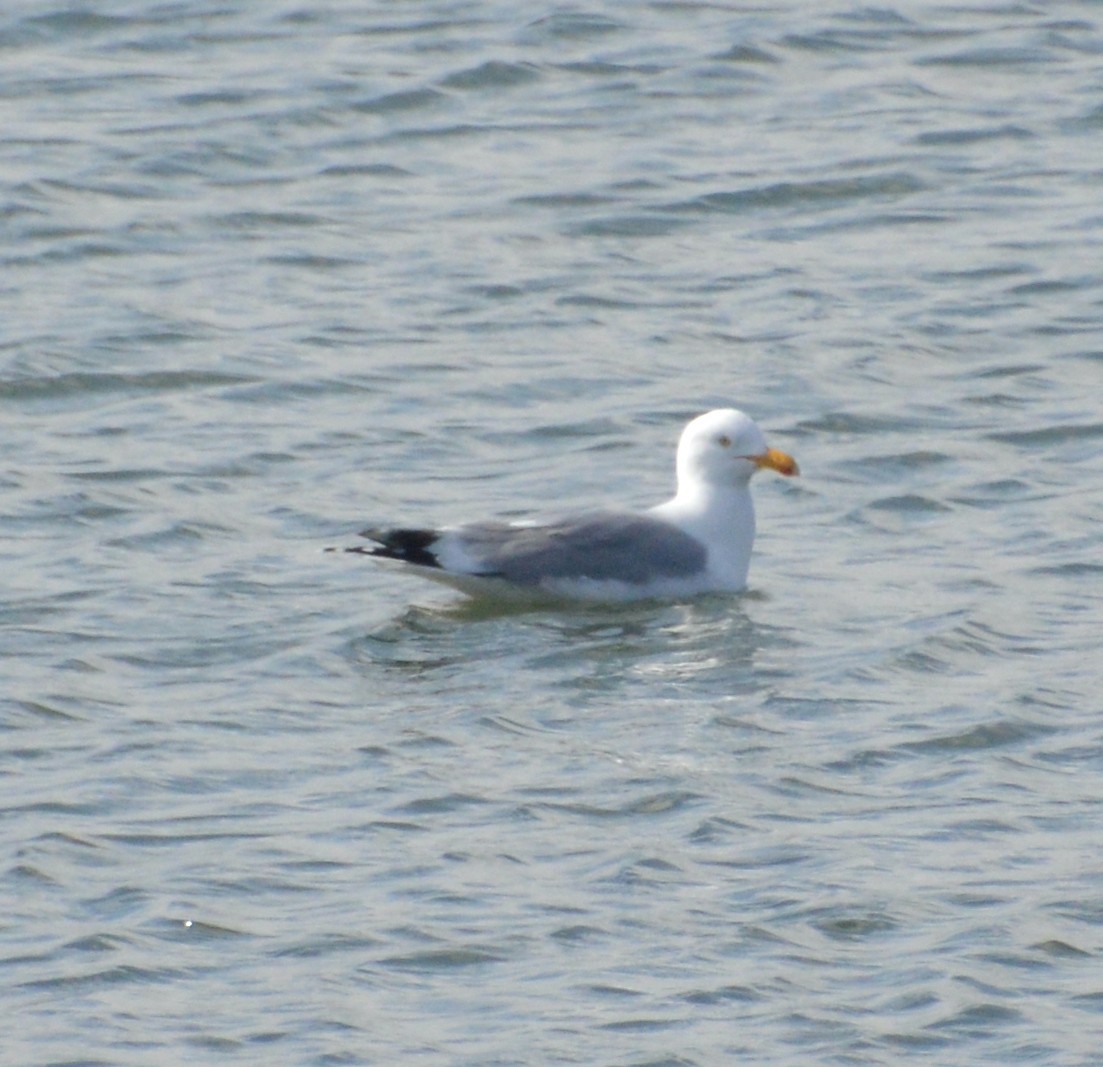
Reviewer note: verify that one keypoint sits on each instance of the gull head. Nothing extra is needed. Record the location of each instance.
(724, 448)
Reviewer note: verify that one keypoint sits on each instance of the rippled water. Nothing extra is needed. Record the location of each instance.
(274, 271)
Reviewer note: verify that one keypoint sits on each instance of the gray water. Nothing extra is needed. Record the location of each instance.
(275, 271)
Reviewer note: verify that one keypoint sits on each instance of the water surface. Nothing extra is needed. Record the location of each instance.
(272, 273)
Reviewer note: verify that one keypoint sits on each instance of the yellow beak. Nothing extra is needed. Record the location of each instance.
(778, 461)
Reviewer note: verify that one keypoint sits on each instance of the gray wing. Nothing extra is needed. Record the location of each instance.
(599, 546)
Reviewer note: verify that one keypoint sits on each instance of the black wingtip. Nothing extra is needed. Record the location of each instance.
(409, 546)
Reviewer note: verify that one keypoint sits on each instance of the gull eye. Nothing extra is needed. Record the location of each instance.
(724, 441)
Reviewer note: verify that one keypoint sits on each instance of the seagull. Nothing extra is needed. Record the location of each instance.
(697, 542)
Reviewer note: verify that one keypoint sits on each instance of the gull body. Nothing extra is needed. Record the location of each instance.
(699, 541)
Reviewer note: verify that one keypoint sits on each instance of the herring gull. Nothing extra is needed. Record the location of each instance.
(697, 542)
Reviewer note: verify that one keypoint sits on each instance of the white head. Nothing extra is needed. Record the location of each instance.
(723, 449)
